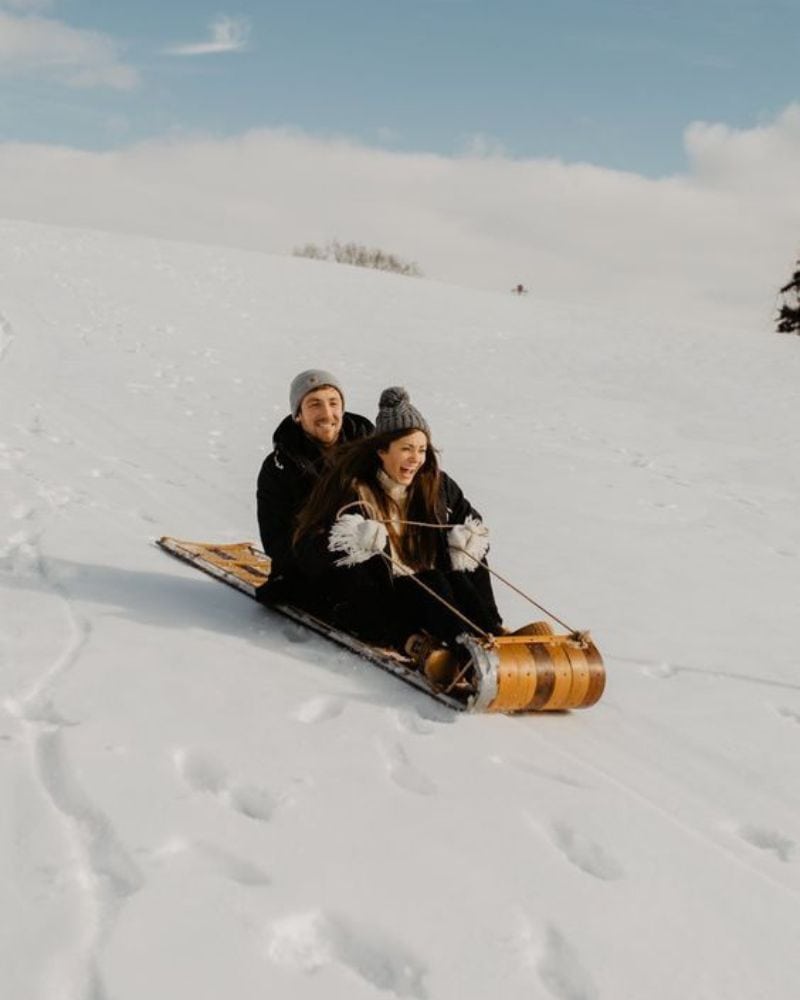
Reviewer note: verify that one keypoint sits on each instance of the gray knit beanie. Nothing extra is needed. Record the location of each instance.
(396, 413)
(306, 382)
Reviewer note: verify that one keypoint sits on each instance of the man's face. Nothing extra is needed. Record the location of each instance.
(320, 415)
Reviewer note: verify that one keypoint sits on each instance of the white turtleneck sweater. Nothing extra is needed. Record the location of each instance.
(398, 493)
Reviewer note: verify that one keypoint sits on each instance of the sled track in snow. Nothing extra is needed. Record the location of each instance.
(104, 873)
(718, 674)
(707, 841)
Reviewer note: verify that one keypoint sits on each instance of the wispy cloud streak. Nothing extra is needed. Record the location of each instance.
(228, 34)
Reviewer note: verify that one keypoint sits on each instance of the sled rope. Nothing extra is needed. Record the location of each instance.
(413, 576)
(480, 562)
(439, 598)
(511, 586)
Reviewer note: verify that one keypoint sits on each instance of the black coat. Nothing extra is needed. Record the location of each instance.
(364, 599)
(316, 561)
(287, 476)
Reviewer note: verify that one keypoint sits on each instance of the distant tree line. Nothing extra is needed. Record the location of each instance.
(789, 312)
(360, 256)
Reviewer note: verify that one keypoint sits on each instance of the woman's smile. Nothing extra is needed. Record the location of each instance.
(404, 457)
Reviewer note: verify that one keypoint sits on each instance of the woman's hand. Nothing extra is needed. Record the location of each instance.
(358, 537)
(468, 543)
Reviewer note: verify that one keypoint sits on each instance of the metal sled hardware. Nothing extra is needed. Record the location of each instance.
(531, 670)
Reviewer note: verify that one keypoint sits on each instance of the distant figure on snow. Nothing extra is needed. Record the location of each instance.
(519, 290)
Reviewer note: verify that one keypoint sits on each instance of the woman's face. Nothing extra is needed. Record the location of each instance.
(404, 457)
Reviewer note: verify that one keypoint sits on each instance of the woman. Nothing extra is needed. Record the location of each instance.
(383, 524)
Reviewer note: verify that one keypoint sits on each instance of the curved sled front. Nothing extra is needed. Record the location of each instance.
(535, 670)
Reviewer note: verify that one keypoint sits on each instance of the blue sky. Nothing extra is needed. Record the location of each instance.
(614, 82)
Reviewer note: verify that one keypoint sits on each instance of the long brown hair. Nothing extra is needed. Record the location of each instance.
(358, 463)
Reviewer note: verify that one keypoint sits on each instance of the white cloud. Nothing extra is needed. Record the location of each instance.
(228, 34)
(44, 47)
(29, 5)
(746, 159)
(712, 244)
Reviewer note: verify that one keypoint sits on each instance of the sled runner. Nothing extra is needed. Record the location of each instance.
(531, 670)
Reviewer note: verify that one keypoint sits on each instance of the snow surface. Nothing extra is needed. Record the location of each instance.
(204, 801)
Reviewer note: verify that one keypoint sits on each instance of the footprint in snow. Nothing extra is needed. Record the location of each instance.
(199, 772)
(766, 839)
(422, 719)
(202, 773)
(250, 801)
(561, 971)
(307, 942)
(227, 864)
(585, 854)
(403, 773)
(409, 721)
(320, 709)
(788, 713)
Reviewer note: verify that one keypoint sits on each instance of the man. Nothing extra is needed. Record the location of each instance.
(303, 444)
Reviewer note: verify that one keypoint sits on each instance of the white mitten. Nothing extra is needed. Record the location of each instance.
(357, 537)
(468, 539)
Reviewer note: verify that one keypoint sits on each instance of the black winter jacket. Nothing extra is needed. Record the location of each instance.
(315, 560)
(360, 598)
(287, 476)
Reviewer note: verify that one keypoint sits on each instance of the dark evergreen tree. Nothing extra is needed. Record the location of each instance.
(789, 313)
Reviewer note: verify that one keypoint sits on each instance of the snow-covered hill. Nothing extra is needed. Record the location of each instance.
(201, 800)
